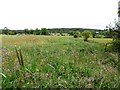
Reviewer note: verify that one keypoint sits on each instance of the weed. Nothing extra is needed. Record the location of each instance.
(19, 56)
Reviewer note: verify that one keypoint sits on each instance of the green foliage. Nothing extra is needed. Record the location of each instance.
(11, 33)
(93, 35)
(78, 33)
(116, 45)
(71, 33)
(44, 32)
(99, 36)
(75, 36)
(108, 33)
(61, 34)
(116, 37)
(86, 34)
(31, 31)
(37, 32)
(26, 31)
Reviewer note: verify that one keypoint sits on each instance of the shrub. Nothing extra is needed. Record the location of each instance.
(99, 36)
(44, 32)
(116, 45)
(86, 34)
(108, 34)
(11, 33)
(116, 37)
(75, 36)
(71, 33)
(62, 34)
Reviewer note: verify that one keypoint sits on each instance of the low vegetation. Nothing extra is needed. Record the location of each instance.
(30, 61)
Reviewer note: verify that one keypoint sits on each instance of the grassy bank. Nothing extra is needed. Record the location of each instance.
(56, 61)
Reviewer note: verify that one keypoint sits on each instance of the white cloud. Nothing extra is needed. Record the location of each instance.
(20, 14)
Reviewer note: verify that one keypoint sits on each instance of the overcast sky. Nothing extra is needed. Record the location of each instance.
(31, 14)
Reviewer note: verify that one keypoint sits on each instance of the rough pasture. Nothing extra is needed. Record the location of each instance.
(57, 62)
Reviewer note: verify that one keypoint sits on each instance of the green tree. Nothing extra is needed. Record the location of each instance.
(71, 33)
(37, 31)
(108, 33)
(44, 31)
(116, 37)
(86, 34)
(31, 31)
(12, 33)
(26, 31)
(78, 33)
(5, 30)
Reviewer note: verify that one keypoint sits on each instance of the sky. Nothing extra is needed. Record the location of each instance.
(31, 14)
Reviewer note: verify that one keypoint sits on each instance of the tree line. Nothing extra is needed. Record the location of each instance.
(50, 31)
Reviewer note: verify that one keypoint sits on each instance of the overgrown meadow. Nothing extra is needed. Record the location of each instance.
(36, 61)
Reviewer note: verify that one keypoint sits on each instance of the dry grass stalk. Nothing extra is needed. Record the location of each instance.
(19, 56)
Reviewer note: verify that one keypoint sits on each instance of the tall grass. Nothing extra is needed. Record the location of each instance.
(57, 62)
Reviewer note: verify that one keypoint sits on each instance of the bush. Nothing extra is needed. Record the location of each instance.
(116, 45)
(75, 36)
(116, 37)
(108, 34)
(36, 32)
(99, 36)
(44, 32)
(71, 33)
(62, 34)
(12, 33)
(86, 34)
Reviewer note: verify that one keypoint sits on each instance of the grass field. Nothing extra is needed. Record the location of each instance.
(57, 62)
